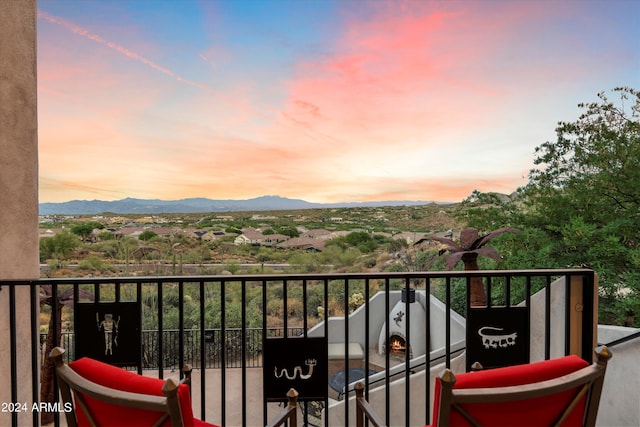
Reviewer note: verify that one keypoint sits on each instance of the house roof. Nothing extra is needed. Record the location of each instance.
(252, 234)
(275, 237)
(317, 233)
(302, 243)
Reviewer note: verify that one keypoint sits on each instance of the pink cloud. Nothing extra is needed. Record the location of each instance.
(84, 32)
(407, 105)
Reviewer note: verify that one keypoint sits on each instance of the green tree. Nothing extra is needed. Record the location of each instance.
(147, 235)
(337, 256)
(580, 206)
(588, 181)
(362, 240)
(106, 235)
(59, 246)
(289, 231)
(85, 229)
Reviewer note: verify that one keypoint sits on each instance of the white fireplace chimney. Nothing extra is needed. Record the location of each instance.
(397, 321)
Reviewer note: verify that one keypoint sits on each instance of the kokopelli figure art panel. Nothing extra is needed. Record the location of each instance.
(109, 327)
(109, 332)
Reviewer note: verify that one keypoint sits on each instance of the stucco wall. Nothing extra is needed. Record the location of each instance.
(18, 141)
(620, 401)
(18, 186)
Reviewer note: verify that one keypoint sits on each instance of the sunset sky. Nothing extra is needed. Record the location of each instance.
(326, 101)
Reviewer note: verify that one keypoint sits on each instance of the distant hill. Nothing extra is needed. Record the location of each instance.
(199, 205)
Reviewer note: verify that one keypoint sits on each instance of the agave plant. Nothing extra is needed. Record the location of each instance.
(471, 245)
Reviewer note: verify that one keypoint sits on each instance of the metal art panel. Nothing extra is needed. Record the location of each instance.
(299, 363)
(109, 332)
(498, 336)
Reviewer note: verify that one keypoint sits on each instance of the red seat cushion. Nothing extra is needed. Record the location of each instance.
(117, 378)
(200, 423)
(530, 412)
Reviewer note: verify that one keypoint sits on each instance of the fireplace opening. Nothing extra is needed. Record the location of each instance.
(397, 345)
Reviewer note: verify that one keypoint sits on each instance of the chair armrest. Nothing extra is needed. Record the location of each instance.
(186, 379)
(364, 411)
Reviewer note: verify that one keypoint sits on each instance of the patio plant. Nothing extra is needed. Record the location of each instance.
(471, 245)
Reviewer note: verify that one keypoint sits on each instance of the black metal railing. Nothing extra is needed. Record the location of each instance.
(191, 315)
(625, 339)
(191, 349)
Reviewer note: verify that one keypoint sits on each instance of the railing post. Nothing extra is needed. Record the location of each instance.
(583, 315)
(359, 387)
(292, 395)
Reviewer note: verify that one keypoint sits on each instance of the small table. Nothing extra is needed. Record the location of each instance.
(337, 382)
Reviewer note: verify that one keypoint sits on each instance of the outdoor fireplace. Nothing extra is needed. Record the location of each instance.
(397, 321)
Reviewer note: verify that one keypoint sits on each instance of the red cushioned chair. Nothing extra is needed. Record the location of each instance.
(558, 392)
(109, 396)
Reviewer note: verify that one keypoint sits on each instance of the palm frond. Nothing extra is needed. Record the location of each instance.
(468, 237)
(489, 252)
(453, 258)
(484, 239)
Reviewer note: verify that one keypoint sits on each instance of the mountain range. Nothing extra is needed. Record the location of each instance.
(200, 205)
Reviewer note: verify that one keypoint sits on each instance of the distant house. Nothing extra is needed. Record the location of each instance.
(318, 233)
(129, 232)
(194, 234)
(212, 235)
(135, 231)
(118, 220)
(199, 233)
(262, 217)
(305, 243)
(164, 231)
(249, 236)
(273, 239)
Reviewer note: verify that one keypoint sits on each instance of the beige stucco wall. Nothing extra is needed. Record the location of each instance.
(18, 185)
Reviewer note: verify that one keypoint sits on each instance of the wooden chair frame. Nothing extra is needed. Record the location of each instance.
(71, 382)
(364, 411)
(588, 381)
(289, 414)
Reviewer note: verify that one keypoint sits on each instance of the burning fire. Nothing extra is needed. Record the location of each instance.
(397, 345)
